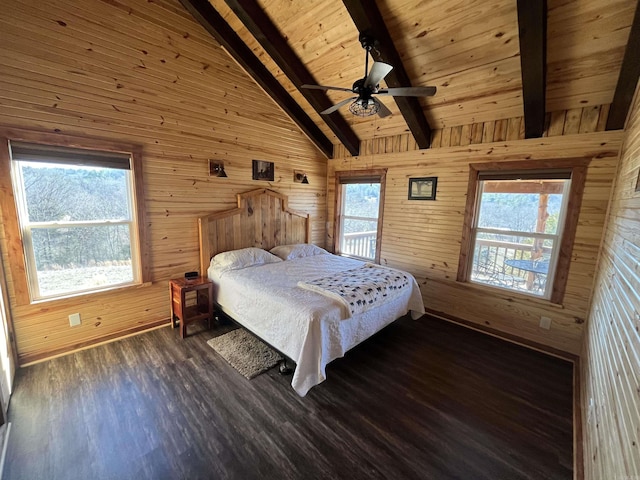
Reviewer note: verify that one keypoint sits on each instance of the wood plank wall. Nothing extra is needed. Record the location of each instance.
(611, 356)
(563, 122)
(144, 73)
(424, 237)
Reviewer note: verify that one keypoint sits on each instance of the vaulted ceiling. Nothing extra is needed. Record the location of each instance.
(487, 58)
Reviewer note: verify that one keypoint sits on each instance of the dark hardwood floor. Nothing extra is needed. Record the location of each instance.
(421, 400)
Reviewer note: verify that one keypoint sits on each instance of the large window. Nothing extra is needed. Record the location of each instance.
(360, 196)
(518, 223)
(77, 218)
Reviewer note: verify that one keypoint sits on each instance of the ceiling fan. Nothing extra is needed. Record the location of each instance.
(365, 104)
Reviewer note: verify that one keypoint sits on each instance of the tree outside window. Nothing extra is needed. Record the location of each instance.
(360, 197)
(519, 217)
(77, 218)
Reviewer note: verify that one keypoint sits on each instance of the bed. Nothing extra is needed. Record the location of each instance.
(278, 298)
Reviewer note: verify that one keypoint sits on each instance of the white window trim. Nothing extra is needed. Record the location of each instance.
(555, 238)
(17, 262)
(357, 177)
(578, 168)
(27, 227)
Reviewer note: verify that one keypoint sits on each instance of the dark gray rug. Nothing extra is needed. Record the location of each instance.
(244, 352)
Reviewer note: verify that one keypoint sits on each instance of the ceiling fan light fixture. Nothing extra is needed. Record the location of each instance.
(365, 107)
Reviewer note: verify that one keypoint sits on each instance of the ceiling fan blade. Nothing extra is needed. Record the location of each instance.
(322, 87)
(337, 106)
(408, 91)
(379, 70)
(383, 111)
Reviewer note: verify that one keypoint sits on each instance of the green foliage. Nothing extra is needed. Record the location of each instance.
(361, 200)
(552, 223)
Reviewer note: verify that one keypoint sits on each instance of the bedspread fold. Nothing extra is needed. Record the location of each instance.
(360, 289)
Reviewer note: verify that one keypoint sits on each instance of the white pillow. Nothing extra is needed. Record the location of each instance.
(245, 257)
(289, 252)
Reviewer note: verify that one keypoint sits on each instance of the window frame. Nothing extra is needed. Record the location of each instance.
(555, 238)
(359, 176)
(18, 264)
(578, 168)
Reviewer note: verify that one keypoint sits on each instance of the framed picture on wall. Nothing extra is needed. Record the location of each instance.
(263, 170)
(423, 188)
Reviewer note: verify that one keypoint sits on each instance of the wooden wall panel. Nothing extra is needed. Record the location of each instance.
(611, 356)
(424, 237)
(144, 73)
(581, 120)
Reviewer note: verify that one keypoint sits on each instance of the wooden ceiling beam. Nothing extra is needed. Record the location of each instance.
(219, 29)
(270, 38)
(628, 79)
(532, 27)
(368, 19)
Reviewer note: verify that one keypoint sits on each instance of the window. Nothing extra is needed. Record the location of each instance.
(520, 216)
(78, 218)
(359, 200)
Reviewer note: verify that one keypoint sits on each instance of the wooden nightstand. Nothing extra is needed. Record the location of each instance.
(201, 310)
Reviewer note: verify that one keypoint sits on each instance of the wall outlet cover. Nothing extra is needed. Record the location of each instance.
(545, 322)
(74, 319)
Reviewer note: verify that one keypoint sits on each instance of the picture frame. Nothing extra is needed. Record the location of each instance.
(263, 170)
(423, 188)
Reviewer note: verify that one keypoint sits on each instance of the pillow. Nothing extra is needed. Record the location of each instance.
(245, 257)
(289, 252)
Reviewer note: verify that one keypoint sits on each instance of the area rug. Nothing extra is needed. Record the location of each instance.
(244, 352)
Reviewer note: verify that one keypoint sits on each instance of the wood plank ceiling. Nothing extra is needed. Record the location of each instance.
(469, 49)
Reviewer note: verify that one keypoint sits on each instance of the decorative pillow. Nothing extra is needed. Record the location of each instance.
(289, 252)
(245, 257)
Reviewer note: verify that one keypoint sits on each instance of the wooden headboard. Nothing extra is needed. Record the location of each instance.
(262, 219)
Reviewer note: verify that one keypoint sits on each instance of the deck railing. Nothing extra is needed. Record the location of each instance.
(488, 262)
(360, 244)
(489, 266)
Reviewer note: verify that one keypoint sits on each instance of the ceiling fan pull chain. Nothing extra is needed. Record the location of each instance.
(366, 63)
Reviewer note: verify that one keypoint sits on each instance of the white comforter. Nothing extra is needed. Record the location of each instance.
(304, 325)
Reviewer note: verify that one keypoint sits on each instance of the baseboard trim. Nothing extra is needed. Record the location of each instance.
(5, 443)
(555, 352)
(27, 360)
(578, 451)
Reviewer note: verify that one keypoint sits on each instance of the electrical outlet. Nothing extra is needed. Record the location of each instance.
(545, 322)
(74, 319)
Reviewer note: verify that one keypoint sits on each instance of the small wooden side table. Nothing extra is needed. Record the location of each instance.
(202, 310)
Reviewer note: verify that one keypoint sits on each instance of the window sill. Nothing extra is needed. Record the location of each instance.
(509, 295)
(355, 257)
(108, 290)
